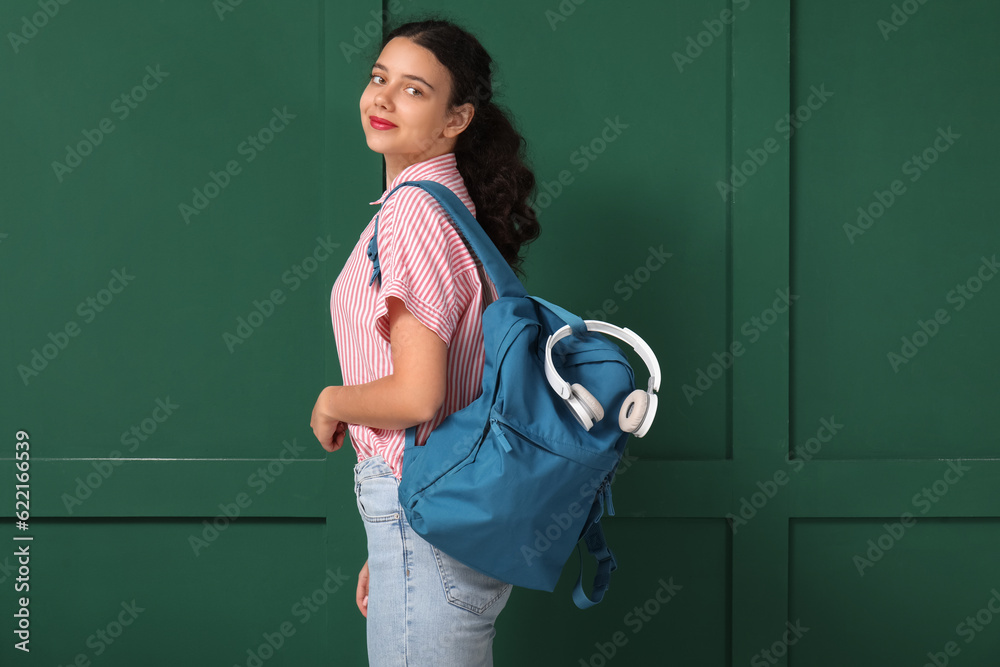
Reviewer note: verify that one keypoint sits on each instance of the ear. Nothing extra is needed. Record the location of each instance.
(459, 119)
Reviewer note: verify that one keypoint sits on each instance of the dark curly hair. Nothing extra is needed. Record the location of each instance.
(490, 152)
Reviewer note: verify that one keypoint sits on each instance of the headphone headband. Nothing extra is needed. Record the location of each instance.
(645, 353)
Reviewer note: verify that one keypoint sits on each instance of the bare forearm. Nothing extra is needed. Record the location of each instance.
(410, 395)
(384, 403)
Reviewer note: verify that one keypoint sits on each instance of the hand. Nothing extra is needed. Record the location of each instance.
(330, 432)
(362, 594)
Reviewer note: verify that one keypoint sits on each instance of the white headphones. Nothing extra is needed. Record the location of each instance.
(637, 412)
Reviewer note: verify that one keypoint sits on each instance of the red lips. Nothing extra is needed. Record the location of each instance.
(380, 123)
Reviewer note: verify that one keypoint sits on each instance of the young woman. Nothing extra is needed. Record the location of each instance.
(411, 349)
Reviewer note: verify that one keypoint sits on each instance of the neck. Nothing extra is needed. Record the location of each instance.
(395, 163)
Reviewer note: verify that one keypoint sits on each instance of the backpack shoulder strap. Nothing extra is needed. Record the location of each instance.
(377, 268)
(482, 246)
(373, 256)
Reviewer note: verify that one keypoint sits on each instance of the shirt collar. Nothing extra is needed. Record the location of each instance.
(426, 170)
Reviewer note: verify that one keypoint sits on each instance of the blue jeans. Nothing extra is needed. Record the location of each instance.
(424, 608)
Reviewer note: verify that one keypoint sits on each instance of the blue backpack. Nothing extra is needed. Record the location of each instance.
(511, 483)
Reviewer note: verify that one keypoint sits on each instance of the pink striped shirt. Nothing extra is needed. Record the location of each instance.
(425, 264)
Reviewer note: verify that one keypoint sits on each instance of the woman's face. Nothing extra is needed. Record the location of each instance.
(410, 88)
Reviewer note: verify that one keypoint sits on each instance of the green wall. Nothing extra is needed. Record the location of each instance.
(790, 201)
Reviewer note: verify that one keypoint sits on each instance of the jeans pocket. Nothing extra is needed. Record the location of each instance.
(467, 588)
(378, 497)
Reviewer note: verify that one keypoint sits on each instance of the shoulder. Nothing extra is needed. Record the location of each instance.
(415, 229)
(412, 205)
(414, 216)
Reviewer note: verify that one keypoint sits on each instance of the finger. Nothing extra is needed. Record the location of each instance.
(362, 592)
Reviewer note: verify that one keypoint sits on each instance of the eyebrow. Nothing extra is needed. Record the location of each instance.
(405, 76)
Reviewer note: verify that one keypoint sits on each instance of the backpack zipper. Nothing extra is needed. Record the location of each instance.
(495, 427)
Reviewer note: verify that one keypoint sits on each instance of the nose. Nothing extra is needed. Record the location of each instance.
(381, 99)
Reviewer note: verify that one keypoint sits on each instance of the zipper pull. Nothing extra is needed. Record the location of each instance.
(607, 499)
(495, 427)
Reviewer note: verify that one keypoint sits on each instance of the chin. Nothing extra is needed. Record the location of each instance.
(372, 138)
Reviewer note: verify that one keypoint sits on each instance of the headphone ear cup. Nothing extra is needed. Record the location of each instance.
(633, 411)
(587, 404)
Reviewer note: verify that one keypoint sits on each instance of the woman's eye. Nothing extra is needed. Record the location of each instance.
(416, 92)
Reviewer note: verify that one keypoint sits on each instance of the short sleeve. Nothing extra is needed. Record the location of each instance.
(424, 263)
